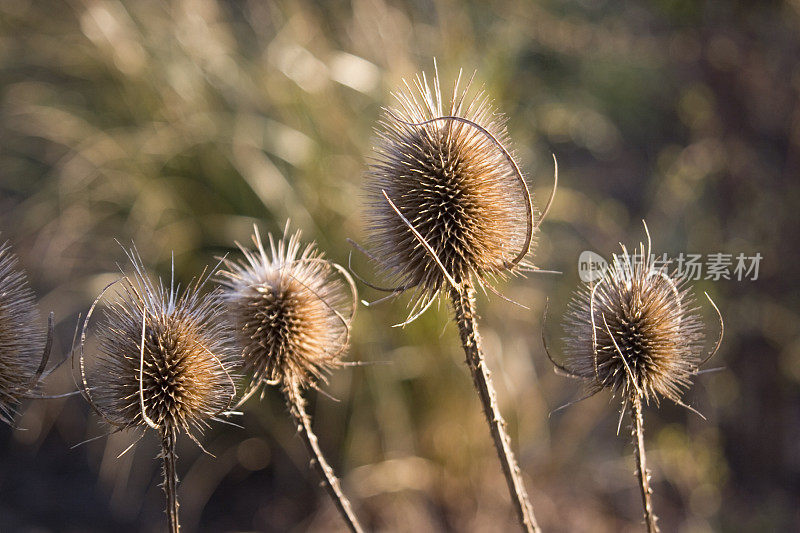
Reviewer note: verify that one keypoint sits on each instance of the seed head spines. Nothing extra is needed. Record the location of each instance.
(165, 356)
(450, 176)
(635, 330)
(291, 311)
(21, 338)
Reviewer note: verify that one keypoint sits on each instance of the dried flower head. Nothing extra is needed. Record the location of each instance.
(448, 208)
(445, 177)
(291, 311)
(636, 330)
(292, 319)
(165, 356)
(21, 339)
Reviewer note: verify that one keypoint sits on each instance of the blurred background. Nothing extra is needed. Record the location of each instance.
(178, 124)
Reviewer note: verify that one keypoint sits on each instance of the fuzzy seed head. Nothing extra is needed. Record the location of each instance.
(21, 338)
(291, 311)
(637, 331)
(452, 183)
(186, 367)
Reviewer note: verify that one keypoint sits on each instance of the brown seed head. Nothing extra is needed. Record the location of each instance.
(21, 338)
(178, 345)
(453, 182)
(291, 311)
(636, 330)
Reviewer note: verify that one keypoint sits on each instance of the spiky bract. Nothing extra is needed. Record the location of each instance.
(453, 183)
(291, 311)
(636, 330)
(186, 363)
(21, 338)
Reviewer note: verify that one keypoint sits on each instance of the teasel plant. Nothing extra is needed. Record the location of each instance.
(636, 331)
(24, 347)
(165, 363)
(448, 212)
(292, 316)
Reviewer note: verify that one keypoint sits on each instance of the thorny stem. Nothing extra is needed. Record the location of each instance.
(297, 408)
(170, 486)
(637, 432)
(467, 320)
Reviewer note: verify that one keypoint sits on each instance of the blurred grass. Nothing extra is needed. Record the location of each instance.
(178, 124)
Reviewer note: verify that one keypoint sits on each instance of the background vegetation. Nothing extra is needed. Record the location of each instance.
(178, 124)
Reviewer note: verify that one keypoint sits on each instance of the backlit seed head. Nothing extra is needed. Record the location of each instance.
(637, 330)
(175, 340)
(21, 336)
(291, 310)
(453, 183)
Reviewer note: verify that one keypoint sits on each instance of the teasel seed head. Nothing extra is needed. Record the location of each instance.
(165, 356)
(445, 168)
(21, 337)
(291, 310)
(637, 330)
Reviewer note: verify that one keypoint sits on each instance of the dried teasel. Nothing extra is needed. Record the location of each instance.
(165, 362)
(637, 332)
(24, 351)
(289, 309)
(446, 201)
(448, 210)
(292, 317)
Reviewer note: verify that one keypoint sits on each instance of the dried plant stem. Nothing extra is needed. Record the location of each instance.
(637, 431)
(467, 320)
(169, 457)
(297, 408)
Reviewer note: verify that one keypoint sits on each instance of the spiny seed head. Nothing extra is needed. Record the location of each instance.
(291, 311)
(636, 330)
(453, 183)
(187, 356)
(21, 338)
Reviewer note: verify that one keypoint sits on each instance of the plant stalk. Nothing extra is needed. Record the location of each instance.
(637, 431)
(169, 457)
(297, 408)
(467, 320)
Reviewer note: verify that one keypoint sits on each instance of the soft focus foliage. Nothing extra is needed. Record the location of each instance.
(177, 124)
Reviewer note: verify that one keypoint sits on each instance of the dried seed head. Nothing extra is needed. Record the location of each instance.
(165, 356)
(636, 330)
(291, 311)
(454, 182)
(21, 338)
